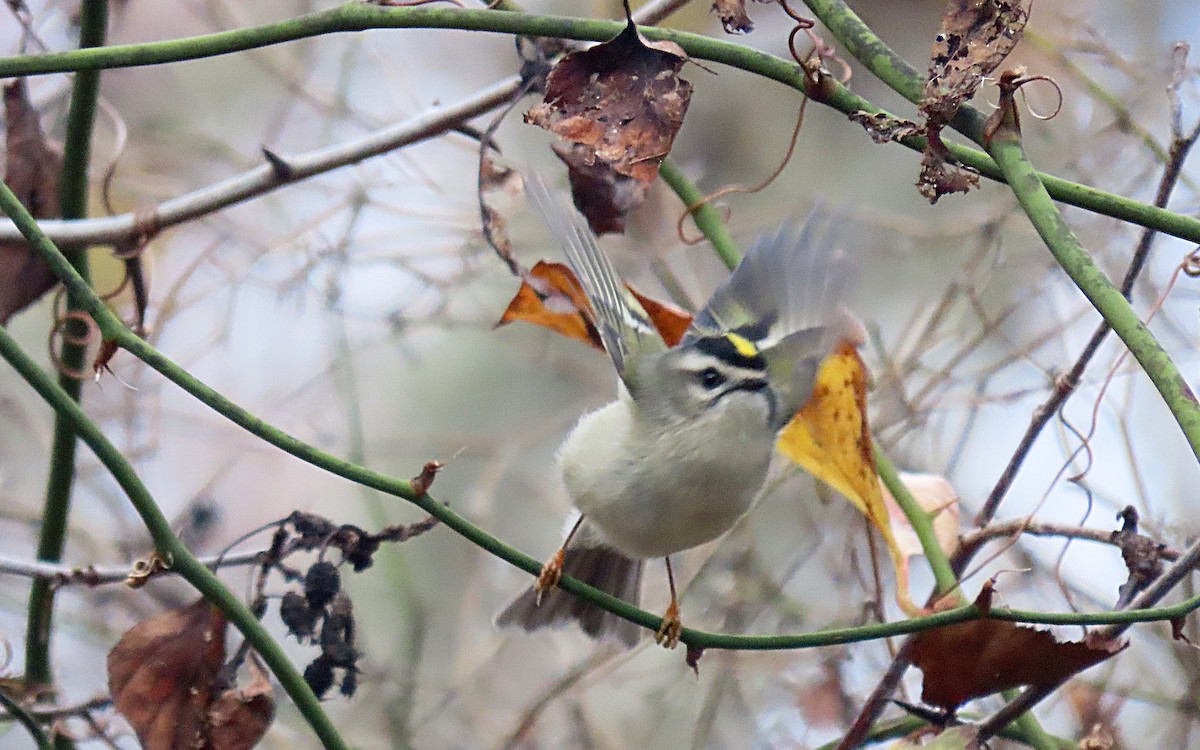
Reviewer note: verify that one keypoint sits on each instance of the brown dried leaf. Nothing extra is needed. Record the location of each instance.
(32, 172)
(939, 174)
(161, 675)
(733, 16)
(493, 178)
(883, 127)
(975, 37)
(623, 99)
(239, 718)
(973, 659)
(602, 195)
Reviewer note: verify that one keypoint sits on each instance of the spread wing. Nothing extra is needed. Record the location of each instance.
(786, 297)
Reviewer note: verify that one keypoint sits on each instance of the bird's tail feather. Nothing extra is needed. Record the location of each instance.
(602, 567)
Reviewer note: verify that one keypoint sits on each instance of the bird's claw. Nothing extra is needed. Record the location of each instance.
(550, 575)
(671, 629)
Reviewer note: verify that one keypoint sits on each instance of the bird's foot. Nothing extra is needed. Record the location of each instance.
(551, 574)
(672, 627)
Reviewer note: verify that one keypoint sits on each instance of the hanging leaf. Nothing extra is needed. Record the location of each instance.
(603, 195)
(550, 296)
(623, 100)
(734, 18)
(973, 659)
(975, 37)
(32, 172)
(165, 679)
(161, 675)
(830, 438)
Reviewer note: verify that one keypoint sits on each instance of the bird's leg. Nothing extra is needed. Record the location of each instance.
(551, 572)
(672, 627)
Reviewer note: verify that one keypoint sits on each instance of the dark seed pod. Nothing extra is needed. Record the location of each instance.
(350, 682)
(300, 619)
(319, 675)
(321, 584)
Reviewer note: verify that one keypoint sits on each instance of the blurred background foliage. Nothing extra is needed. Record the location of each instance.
(356, 309)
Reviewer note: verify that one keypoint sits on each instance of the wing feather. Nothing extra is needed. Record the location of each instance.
(624, 326)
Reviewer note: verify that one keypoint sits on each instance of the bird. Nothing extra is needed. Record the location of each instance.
(682, 452)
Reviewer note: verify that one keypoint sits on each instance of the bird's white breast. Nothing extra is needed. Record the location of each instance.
(656, 493)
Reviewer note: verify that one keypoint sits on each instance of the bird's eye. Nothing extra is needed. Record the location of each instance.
(710, 378)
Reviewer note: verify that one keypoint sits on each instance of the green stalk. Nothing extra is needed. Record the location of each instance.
(708, 219)
(73, 195)
(1006, 148)
(362, 16)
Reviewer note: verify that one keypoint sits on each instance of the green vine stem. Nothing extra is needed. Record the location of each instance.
(363, 16)
(166, 543)
(1006, 148)
(708, 219)
(73, 195)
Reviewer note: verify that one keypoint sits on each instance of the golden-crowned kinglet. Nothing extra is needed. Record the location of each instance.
(681, 453)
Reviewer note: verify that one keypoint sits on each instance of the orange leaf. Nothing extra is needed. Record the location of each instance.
(831, 439)
(670, 321)
(550, 296)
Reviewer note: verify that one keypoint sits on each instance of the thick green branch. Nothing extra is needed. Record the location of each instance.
(73, 195)
(1008, 152)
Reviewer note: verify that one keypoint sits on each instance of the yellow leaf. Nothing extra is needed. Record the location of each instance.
(830, 438)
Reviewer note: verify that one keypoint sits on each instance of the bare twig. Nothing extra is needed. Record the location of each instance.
(266, 178)
(1066, 384)
(90, 575)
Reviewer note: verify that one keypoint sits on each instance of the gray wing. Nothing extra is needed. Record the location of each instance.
(624, 326)
(786, 296)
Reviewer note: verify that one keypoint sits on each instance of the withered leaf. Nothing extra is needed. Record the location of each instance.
(733, 16)
(975, 37)
(32, 172)
(495, 177)
(602, 195)
(161, 675)
(973, 659)
(240, 717)
(550, 296)
(622, 99)
(670, 321)
(883, 127)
